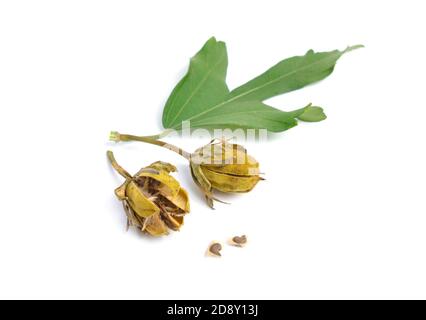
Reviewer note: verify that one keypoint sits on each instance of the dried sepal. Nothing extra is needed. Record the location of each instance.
(132, 218)
(166, 183)
(120, 192)
(231, 183)
(163, 166)
(181, 200)
(139, 201)
(155, 226)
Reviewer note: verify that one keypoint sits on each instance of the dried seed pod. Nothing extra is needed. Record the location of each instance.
(225, 167)
(239, 241)
(221, 166)
(215, 249)
(152, 199)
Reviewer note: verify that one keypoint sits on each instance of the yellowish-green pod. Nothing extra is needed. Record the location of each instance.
(231, 183)
(224, 167)
(249, 167)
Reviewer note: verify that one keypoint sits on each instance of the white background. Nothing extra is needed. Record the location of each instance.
(341, 214)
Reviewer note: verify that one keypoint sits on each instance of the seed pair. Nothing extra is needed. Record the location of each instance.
(237, 241)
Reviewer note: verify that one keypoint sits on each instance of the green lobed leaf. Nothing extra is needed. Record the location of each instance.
(203, 98)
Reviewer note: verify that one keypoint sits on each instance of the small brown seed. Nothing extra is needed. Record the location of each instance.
(215, 249)
(239, 240)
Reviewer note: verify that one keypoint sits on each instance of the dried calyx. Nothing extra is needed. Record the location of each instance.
(219, 165)
(153, 200)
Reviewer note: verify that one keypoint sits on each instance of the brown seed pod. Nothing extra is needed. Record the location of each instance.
(152, 199)
(215, 249)
(239, 241)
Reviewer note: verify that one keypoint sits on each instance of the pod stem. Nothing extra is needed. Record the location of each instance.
(117, 137)
(116, 166)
